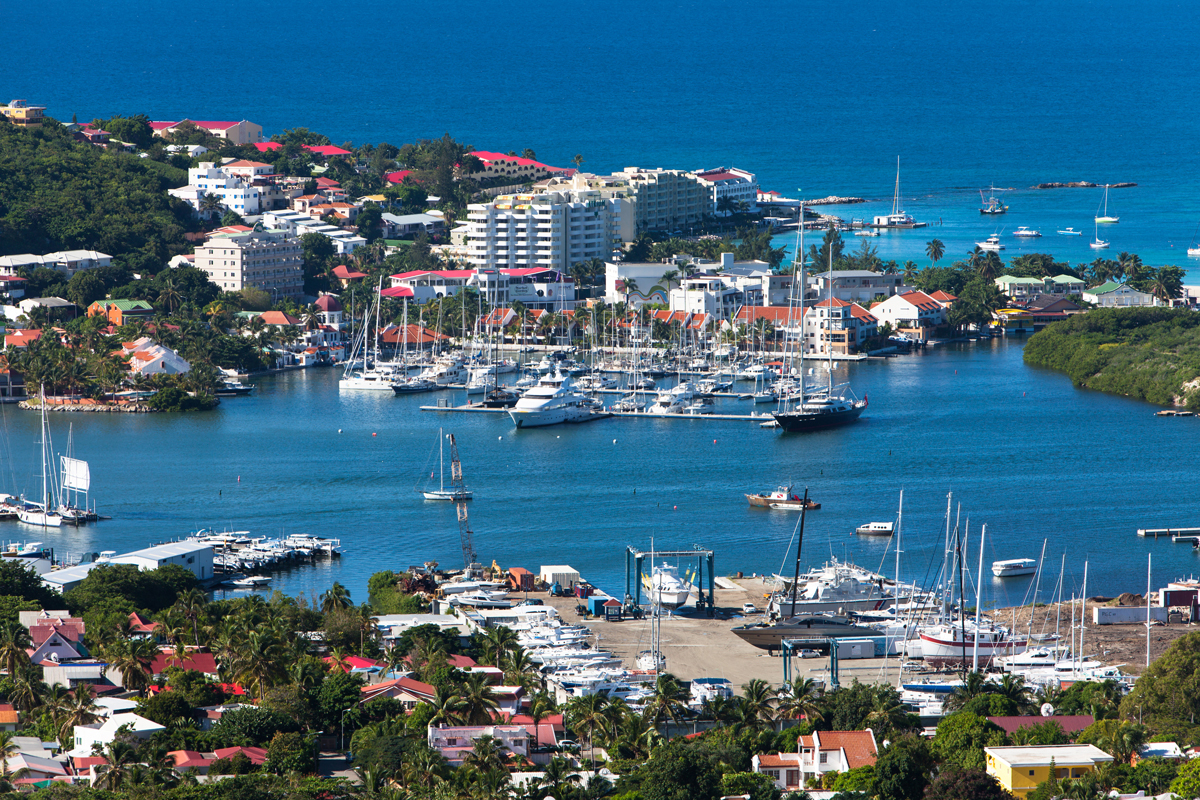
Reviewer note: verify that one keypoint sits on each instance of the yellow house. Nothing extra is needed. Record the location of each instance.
(23, 115)
(1021, 769)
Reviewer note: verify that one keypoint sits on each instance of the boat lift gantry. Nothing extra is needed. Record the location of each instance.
(790, 646)
(703, 556)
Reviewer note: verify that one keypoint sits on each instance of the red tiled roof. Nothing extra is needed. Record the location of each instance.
(943, 297)
(355, 662)
(398, 176)
(218, 126)
(1071, 723)
(257, 755)
(442, 273)
(417, 335)
(162, 126)
(858, 312)
(265, 146)
(407, 685)
(488, 157)
(859, 745)
(189, 759)
(775, 762)
(327, 183)
(196, 662)
(278, 318)
(326, 150)
(718, 175)
(776, 314)
(245, 163)
(328, 302)
(832, 301)
(345, 273)
(921, 301)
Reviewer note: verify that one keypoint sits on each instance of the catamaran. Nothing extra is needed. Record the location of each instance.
(40, 514)
(896, 219)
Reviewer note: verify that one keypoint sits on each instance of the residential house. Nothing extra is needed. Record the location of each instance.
(1020, 769)
(330, 311)
(346, 276)
(822, 752)
(10, 718)
(783, 319)
(1060, 285)
(454, 743)
(854, 285)
(200, 763)
(411, 224)
(407, 690)
(945, 299)
(191, 661)
(66, 261)
(243, 132)
(1119, 295)
(36, 768)
(55, 307)
(836, 325)
(248, 169)
(23, 115)
(56, 648)
(189, 150)
(1033, 314)
(237, 193)
(147, 357)
(915, 314)
(709, 294)
(1168, 750)
(12, 285)
(121, 311)
(103, 733)
(295, 223)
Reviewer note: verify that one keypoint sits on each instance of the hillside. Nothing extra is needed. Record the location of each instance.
(60, 194)
(1145, 353)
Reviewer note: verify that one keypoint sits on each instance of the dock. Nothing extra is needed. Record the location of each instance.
(1155, 533)
(479, 409)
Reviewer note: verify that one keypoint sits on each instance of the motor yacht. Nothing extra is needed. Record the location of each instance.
(1013, 567)
(1026, 233)
(802, 626)
(991, 244)
(554, 400)
(673, 401)
(665, 588)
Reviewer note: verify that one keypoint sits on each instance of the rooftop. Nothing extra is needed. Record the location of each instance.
(1041, 755)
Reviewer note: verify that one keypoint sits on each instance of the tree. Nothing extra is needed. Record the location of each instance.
(1119, 738)
(85, 288)
(968, 784)
(80, 710)
(668, 702)
(755, 785)
(14, 645)
(290, 753)
(210, 204)
(336, 597)
(935, 250)
(578, 160)
(250, 727)
(903, 768)
(369, 221)
(678, 772)
(961, 737)
(758, 699)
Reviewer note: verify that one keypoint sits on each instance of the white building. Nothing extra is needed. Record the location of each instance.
(824, 751)
(535, 287)
(553, 230)
(837, 325)
(738, 185)
(148, 357)
(854, 285)
(637, 283)
(708, 294)
(267, 260)
(1119, 295)
(192, 556)
(103, 733)
(295, 223)
(189, 150)
(915, 314)
(244, 132)
(236, 192)
(68, 261)
(666, 199)
(455, 743)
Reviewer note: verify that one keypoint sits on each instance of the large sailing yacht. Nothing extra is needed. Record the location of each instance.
(41, 513)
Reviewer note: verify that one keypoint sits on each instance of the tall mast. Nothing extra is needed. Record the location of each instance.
(45, 491)
(896, 196)
(378, 309)
(979, 600)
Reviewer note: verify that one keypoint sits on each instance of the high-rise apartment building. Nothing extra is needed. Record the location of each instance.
(266, 260)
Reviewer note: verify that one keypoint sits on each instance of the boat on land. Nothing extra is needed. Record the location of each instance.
(1013, 567)
(992, 204)
(1027, 233)
(1102, 217)
(782, 494)
(1070, 232)
(817, 627)
(876, 529)
(666, 588)
(457, 491)
(991, 244)
(957, 642)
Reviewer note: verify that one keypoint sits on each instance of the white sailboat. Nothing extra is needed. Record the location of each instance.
(75, 481)
(1098, 243)
(442, 493)
(40, 514)
(1103, 217)
(370, 377)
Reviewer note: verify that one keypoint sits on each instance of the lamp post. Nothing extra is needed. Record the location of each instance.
(342, 730)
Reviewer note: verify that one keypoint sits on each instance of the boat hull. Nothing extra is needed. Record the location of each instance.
(41, 519)
(553, 416)
(801, 421)
(449, 496)
(934, 647)
(770, 637)
(766, 501)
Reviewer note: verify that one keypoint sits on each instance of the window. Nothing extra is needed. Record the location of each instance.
(824, 758)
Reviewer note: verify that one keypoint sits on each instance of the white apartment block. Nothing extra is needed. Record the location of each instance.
(554, 230)
(236, 193)
(534, 287)
(267, 260)
(68, 261)
(708, 294)
(295, 223)
(736, 184)
(667, 199)
(854, 285)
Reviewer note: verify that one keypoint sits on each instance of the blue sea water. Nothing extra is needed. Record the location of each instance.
(818, 98)
(815, 96)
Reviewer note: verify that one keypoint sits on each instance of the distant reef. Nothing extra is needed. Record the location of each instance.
(1150, 354)
(1082, 185)
(834, 200)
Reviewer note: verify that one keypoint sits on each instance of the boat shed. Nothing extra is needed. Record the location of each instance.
(64, 580)
(561, 574)
(192, 556)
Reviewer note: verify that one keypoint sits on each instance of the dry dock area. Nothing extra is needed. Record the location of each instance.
(698, 647)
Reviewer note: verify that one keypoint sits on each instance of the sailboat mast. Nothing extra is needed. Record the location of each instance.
(896, 196)
(45, 491)
(441, 460)
(978, 600)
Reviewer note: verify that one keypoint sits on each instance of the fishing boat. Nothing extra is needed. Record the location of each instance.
(40, 513)
(991, 244)
(1102, 217)
(1070, 232)
(782, 494)
(457, 490)
(1024, 232)
(876, 529)
(992, 204)
(666, 588)
(1013, 567)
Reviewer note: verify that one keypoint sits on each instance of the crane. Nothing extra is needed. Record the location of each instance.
(460, 501)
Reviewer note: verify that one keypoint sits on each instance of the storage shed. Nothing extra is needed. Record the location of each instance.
(561, 574)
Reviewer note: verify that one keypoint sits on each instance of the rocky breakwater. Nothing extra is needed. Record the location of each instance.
(834, 200)
(1082, 185)
(89, 406)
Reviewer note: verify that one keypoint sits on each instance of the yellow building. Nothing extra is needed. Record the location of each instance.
(1021, 769)
(22, 115)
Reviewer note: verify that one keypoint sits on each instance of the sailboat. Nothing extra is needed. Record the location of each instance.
(653, 660)
(442, 493)
(75, 480)
(830, 407)
(1194, 249)
(369, 377)
(897, 219)
(1098, 244)
(1103, 217)
(39, 514)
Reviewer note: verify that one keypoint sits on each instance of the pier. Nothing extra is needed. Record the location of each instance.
(1155, 533)
(480, 409)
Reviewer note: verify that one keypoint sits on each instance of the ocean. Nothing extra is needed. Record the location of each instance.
(817, 99)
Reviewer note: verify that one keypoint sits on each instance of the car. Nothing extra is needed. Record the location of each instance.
(808, 653)
(567, 744)
(749, 608)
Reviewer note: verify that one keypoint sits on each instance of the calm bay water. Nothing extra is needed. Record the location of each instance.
(1020, 448)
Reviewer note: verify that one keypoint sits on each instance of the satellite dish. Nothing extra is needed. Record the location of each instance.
(1047, 710)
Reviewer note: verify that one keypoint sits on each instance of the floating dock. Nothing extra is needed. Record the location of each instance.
(1155, 533)
(480, 409)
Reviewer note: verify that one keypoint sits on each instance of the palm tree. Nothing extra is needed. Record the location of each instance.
(559, 778)
(132, 659)
(190, 605)
(479, 699)
(81, 710)
(169, 296)
(668, 701)
(935, 250)
(28, 688)
(337, 597)
(974, 685)
(258, 663)
(578, 159)
(799, 699)
(120, 759)
(757, 699)
(210, 204)
(887, 713)
(487, 755)
(496, 642)
(14, 645)
(585, 715)
(448, 707)
(1013, 687)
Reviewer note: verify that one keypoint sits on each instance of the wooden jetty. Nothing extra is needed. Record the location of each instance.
(1155, 533)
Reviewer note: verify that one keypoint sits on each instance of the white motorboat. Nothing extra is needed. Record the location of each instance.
(251, 581)
(700, 406)
(463, 587)
(665, 588)
(414, 386)
(991, 244)
(674, 400)
(1026, 233)
(1070, 232)
(1013, 567)
(876, 529)
(445, 371)
(553, 401)
(482, 600)
(630, 403)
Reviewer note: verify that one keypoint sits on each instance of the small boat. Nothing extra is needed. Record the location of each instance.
(1013, 567)
(1026, 233)
(1102, 217)
(1098, 243)
(1070, 232)
(414, 386)
(866, 232)
(501, 398)
(251, 582)
(790, 506)
(876, 529)
(991, 244)
(233, 388)
(782, 494)
(991, 205)
(454, 493)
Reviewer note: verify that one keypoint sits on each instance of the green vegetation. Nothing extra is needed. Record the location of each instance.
(1149, 354)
